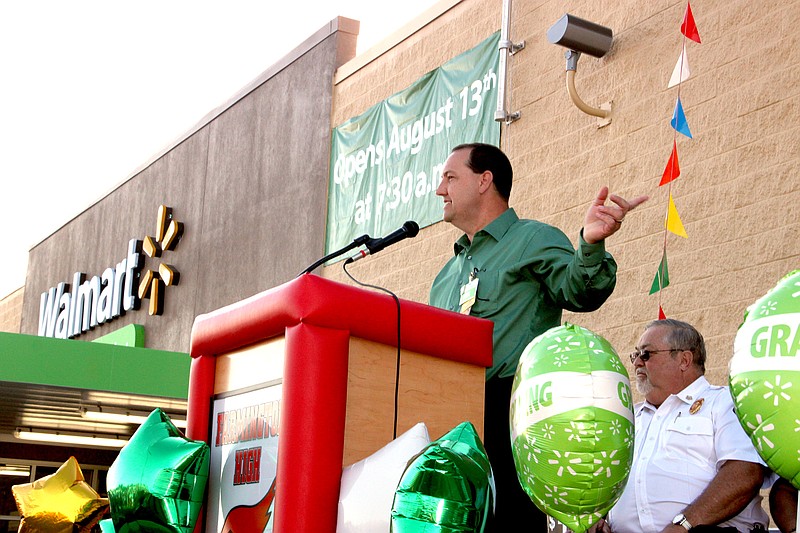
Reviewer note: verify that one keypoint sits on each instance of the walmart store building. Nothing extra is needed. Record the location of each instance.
(202, 225)
(292, 167)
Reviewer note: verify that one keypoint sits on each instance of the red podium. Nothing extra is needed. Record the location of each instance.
(312, 363)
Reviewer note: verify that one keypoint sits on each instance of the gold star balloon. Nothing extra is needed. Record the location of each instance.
(60, 502)
(158, 481)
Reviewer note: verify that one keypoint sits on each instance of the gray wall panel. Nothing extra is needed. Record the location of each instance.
(250, 187)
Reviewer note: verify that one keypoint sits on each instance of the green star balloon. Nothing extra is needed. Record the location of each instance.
(765, 376)
(572, 425)
(447, 488)
(158, 481)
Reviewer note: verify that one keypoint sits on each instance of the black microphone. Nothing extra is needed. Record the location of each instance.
(373, 246)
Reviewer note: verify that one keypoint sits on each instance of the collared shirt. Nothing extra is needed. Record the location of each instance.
(679, 448)
(528, 272)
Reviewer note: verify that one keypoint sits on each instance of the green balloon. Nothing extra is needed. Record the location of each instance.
(158, 481)
(572, 425)
(765, 376)
(447, 488)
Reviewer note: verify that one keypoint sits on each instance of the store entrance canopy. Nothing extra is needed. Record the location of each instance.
(71, 388)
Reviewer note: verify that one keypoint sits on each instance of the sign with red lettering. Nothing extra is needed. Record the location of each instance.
(244, 460)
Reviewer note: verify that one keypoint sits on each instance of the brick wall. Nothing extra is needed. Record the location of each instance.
(11, 311)
(738, 195)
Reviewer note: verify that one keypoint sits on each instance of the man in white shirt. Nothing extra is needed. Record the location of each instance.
(693, 464)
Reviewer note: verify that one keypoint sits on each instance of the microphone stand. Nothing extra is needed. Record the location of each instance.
(358, 241)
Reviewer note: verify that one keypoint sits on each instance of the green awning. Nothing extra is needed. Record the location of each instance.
(93, 366)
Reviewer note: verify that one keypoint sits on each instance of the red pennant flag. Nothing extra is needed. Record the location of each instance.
(688, 27)
(673, 170)
(661, 315)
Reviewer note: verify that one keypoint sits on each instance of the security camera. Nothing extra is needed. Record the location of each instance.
(580, 35)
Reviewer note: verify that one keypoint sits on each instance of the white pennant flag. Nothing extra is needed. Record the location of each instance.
(681, 71)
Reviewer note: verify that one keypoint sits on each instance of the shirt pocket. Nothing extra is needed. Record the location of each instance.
(690, 440)
(486, 301)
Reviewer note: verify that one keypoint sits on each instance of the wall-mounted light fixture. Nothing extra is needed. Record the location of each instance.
(580, 36)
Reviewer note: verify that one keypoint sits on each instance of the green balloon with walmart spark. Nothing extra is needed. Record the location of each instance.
(572, 425)
(765, 376)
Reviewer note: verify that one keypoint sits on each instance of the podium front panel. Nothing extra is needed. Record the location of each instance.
(438, 392)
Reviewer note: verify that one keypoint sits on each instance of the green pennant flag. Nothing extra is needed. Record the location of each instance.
(661, 281)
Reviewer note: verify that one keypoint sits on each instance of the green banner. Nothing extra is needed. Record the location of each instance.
(386, 163)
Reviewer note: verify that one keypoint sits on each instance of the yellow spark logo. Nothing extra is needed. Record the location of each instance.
(153, 283)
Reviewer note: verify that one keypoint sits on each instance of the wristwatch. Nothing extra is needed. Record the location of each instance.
(681, 520)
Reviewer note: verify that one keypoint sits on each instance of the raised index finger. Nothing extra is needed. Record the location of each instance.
(627, 205)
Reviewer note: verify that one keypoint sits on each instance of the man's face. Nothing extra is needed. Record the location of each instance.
(659, 376)
(459, 189)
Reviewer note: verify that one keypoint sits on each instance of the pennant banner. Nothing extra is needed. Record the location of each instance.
(688, 27)
(678, 121)
(673, 170)
(681, 71)
(661, 281)
(673, 222)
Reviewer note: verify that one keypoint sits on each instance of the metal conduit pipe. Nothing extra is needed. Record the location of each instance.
(506, 48)
(580, 104)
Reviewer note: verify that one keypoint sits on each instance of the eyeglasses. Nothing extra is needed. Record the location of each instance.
(645, 355)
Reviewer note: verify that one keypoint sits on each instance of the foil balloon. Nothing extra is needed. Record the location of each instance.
(572, 425)
(447, 488)
(60, 502)
(368, 486)
(765, 376)
(158, 481)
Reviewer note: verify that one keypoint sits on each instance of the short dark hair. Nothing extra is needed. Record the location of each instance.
(483, 157)
(683, 336)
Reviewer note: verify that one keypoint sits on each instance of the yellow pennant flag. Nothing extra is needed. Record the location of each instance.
(673, 222)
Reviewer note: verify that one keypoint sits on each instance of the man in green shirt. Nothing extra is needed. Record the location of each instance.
(520, 274)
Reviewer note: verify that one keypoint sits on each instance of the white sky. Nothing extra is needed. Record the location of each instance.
(91, 89)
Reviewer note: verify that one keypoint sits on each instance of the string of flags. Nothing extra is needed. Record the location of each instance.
(672, 220)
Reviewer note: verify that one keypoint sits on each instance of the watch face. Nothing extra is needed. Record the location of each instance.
(680, 520)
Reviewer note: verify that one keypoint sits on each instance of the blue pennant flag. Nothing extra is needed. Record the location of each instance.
(678, 121)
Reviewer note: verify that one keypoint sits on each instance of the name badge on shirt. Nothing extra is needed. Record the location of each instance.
(469, 294)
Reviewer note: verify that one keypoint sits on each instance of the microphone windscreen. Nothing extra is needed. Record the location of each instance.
(412, 228)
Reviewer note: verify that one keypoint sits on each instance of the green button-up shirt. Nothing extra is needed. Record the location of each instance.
(528, 273)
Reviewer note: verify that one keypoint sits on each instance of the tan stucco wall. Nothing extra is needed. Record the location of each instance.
(738, 195)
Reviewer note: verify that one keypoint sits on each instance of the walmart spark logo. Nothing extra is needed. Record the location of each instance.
(68, 310)
(153, 283)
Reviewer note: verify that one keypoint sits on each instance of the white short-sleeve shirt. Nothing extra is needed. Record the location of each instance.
(679, 448)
